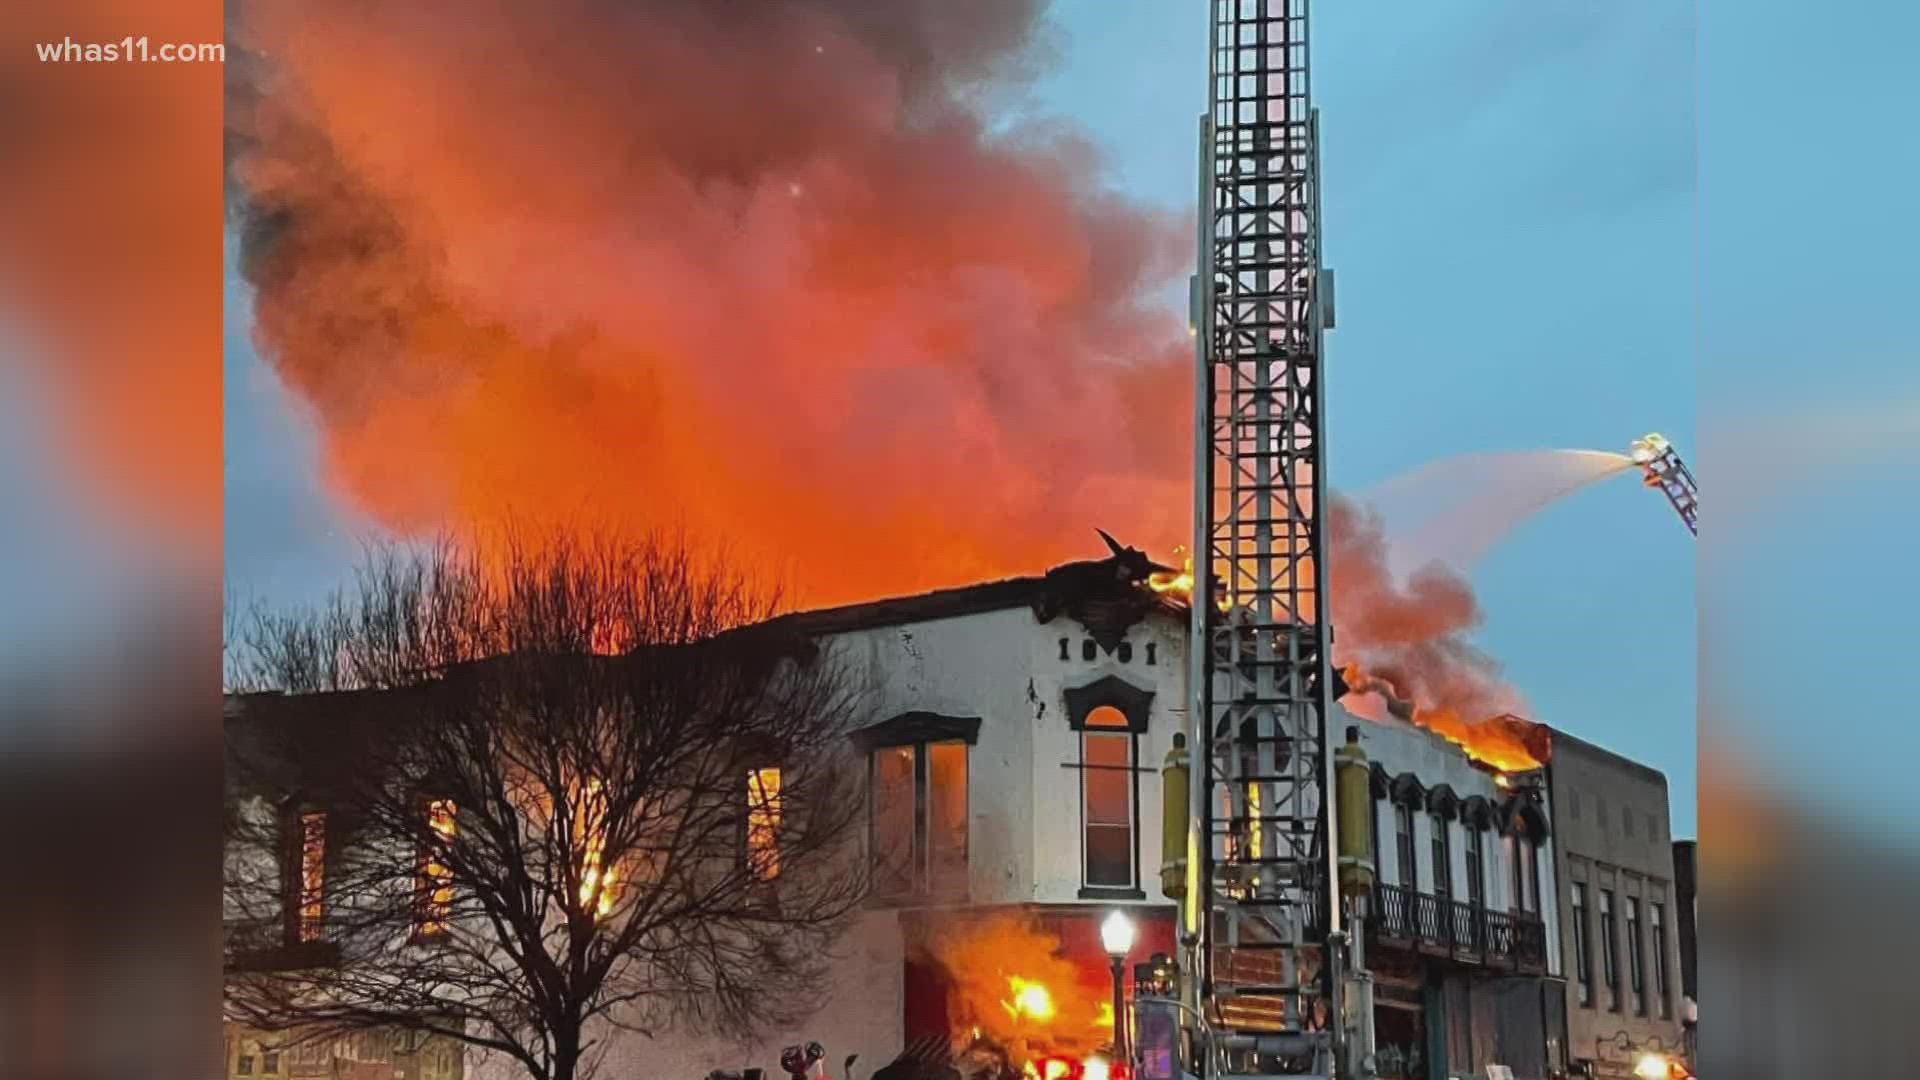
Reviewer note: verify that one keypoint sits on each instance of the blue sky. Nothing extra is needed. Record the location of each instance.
(1510, 210)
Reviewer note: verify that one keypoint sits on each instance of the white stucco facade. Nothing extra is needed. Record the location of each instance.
(1403, 749)
(1018, 684)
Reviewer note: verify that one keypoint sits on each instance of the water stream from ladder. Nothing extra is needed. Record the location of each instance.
(1455, 510)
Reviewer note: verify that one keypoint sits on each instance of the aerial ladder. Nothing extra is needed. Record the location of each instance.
(1268, 980)
(1662, 468)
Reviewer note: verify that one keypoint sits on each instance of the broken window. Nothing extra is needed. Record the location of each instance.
(763, 823)
(436, 877)
(917, 820)
(1107, 800)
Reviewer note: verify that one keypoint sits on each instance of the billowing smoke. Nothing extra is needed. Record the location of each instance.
(1403, 642)
(762, 271)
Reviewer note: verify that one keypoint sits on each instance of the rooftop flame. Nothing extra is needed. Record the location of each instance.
(1506, 742)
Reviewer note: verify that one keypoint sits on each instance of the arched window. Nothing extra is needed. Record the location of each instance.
(1107, 803)
(1109, 716)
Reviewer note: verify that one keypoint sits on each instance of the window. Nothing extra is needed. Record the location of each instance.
(244, 1066)
(1530, 857)
(1442, 857)
(1526, 870)
(763, 823)
(599, 883)
(1657, 916)
(1636, 963)
(1403, 842)
(1582, 934)
(1609, 954)
(1476, 866)
(1107, 800)
(312, 868)
(436, 877)
(917, 819)
(270, 1061)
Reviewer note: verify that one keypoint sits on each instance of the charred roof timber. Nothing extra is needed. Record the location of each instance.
(1107, 596)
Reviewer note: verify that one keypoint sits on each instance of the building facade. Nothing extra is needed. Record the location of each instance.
(1013, 740)
(1620, 904)
(1462, 929)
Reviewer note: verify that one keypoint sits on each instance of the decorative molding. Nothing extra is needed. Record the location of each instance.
(1476, 812)
(1406, 790)
(910, 728)
(1133, 702)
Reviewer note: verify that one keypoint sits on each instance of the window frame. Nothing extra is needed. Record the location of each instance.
(1405, 849)
(432, 914)
(1135, 704)
(305, 904)
(1582, 944)
(1087, 730)
(764, 817)
(1440, 845)
(1636, 958)
(1657, 924)
(1609, 949)
(920, 883)
(1476, 856)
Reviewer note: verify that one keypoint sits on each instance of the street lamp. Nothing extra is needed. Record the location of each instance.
(1116, 935)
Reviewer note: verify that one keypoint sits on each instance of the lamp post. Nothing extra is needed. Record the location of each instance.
(1116, 935)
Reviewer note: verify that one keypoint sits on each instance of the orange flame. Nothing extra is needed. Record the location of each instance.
(1030, 1001)
(1506, 742)
(1180, 584)
(1015, 988)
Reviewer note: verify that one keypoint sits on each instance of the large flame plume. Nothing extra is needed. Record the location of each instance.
(1013, 985)
(766, 272)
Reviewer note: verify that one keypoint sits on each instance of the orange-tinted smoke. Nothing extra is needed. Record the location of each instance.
(756, 270)
(1406, 643)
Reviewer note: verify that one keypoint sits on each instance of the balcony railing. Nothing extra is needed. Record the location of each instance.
(1444, 926)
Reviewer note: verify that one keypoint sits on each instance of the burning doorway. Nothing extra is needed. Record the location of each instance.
(1030, 985)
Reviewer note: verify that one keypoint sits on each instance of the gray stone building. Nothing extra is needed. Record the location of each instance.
(1619, 908)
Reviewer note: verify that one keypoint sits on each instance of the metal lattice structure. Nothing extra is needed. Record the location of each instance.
(1663, 469)
(1260, 651)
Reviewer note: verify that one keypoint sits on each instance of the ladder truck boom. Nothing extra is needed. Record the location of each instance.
(1660, 464)
(1264, 957)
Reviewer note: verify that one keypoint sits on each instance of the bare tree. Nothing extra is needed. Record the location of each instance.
(514, 801)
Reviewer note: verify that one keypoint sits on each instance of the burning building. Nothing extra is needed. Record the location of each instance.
(1012, 747)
